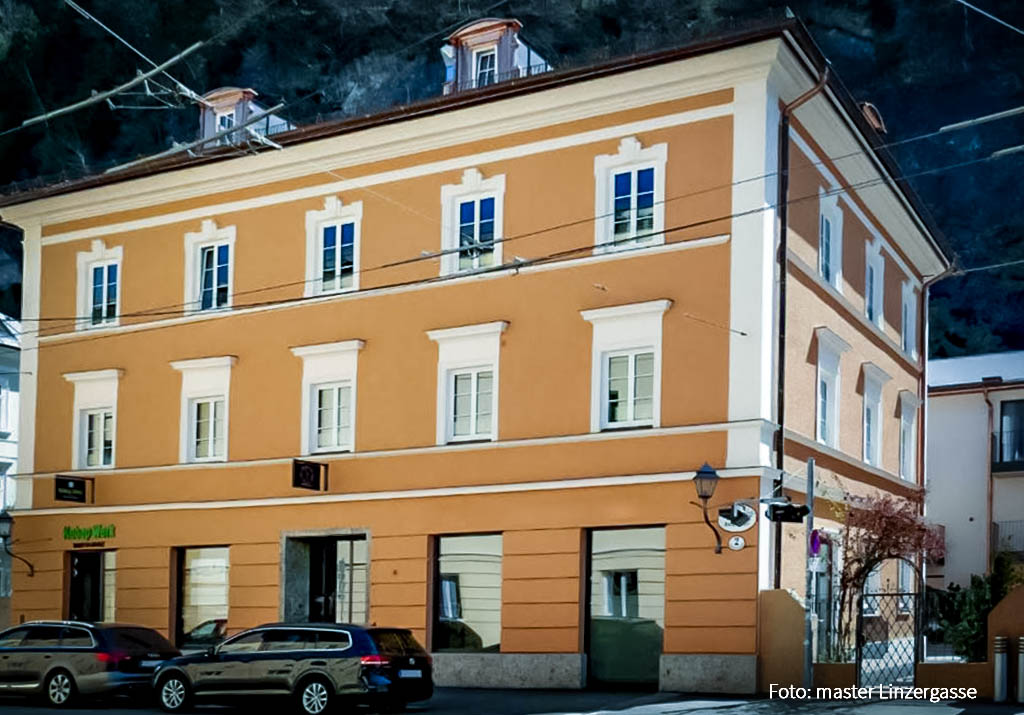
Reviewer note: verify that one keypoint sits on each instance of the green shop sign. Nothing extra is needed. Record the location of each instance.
(89, 533)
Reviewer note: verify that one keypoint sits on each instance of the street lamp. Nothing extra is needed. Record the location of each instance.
(705, 481)
(6, 529)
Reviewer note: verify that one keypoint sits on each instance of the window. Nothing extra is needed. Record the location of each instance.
(874, 284)
(471, 222)
(42, 637)
(630, 196)
(626, 365)
(468, 619)
(830, 239)
(94, 428)
(109, 566)
(333, 640)
(328, 395)
(207, 425)
(909, 320)
(98, 300)
(872, 587)
(244, 643)
(332, 247)
(471, 400)
(279, 639)
(13, 637)
(98, 429)
(629, 391)
(209, 268)
(467, 381)
(830, 347)
(621, 594)
(205, 407)
(7, 422)
(909, 402)
(486, 66)
(1010, 436)
(225, 121)
(203, 588)
(874, 379)
(333, 417)
(905, 581)
(75, 638)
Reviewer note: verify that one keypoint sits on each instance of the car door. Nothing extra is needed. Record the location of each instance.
(36, 654)
(9, 643)
(282, 655)
(228, 668)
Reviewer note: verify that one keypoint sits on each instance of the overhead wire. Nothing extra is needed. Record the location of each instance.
(990, 16)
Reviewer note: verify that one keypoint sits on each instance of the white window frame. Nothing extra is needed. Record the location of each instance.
(217, 128)
(829, 210)
(473, 186)
(334, 212)
(323, 365)
(193, 428)
(631, 156)
(99, 254)
(874, 380)
(830, 350)
(6, 422)
(875, 263)
(458, 349)
(907, 454)
(477, 54)
(908, 320)
(474, 372)
(203, 379)
(84, 416)
(633, 327)
(630, 400)
(95, 390)
(209, 235)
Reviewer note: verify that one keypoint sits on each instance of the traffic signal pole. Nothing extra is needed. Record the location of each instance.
(809, 589)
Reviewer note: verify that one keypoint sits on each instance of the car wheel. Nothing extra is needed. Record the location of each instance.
(59, 688)
(173, 693)
(314, 696)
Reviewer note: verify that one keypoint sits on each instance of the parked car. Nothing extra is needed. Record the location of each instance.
(206, 634)
(63, 659)
(318, 665)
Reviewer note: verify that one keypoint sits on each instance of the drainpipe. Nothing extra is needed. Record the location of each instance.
(988, 482)
(782, 210)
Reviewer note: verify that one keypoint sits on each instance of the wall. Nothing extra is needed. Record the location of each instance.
(780, 640)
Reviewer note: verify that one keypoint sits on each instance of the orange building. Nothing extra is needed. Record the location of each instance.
(511, 323)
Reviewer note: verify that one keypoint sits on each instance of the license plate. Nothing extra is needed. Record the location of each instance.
(150, 663)
(410, 674)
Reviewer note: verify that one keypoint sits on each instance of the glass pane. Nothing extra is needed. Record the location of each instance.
(206, 279)
(92, 451)
(109, 586)
(352, 582)
(823, 410)
(202, 441)
(618, 385)
(325, 417)
(204, 588)
(108, 438)
(645, 202)
(218, 428)
(111, 309)
(467, 616)
(328, 269)
(347, 266)
(484, 400)
(97, 295)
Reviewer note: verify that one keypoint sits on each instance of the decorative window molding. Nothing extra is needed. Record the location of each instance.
(204, 380)
(909, 404)
(337, 215)
(469, 348)
(908, 320)
(874, 379)
(874, 284)
(481, 202)
(830, 348)
(95, 393)
(219, 288)
(327, 366)
(625, 331)
(830, 238)
(642, 222)
(107, 313)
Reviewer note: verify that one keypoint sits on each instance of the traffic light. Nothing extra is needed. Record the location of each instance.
(788, 513)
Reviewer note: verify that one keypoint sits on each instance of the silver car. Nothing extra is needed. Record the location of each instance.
(64, 659)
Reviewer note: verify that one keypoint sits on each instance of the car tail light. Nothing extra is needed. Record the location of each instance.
(111, 659)
(375, 660)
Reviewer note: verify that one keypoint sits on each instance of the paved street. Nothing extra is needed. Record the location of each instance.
(450, 701)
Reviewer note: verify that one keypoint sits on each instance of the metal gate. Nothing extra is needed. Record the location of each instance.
(888, 638)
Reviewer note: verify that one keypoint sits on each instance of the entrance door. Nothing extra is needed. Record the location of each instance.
(85, 594)
(626, 606)
(323, 580)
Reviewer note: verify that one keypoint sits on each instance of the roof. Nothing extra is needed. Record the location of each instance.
(976, 370)
(483, 22)
(790, 29)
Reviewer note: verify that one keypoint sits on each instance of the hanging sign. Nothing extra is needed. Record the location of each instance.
(70, 489)
(306, 475)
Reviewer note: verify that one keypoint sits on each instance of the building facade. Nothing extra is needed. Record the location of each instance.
(976, 456)
(10, 353)
(511, 323)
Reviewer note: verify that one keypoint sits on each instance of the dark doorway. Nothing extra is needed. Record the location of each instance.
(323, 580)
(85, 587)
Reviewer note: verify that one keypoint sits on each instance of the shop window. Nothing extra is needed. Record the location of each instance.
(202, 588)
(468, 600)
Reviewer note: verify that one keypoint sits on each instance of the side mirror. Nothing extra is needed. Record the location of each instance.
(211, 651)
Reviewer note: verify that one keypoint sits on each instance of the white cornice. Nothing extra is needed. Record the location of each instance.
(111, 374)
(832, 341)
(466, 331)
(909, 401)
(650, 307)
(203, 363)
(328, 348)
(873, 372)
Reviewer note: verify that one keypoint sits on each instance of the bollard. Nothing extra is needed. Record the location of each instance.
(999, 671)
(1020, 669)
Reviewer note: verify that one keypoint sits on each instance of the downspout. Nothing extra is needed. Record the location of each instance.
(782, 210)
(988, 482)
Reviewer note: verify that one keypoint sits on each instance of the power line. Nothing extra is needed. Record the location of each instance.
(992, 266)
(990, 16)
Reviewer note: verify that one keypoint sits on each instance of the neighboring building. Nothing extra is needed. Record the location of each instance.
(484, 52)
(512, 323)
(10, 355)
(229, 107)
(976, 461)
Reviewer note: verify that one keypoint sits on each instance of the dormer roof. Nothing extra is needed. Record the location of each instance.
(482, 29)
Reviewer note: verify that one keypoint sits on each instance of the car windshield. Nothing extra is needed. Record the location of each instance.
(139, 640)
(398, 642)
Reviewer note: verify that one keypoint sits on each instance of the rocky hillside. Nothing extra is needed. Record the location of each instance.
(924, 63)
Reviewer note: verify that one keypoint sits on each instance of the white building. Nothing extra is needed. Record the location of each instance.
(975, 443)
(10, 359)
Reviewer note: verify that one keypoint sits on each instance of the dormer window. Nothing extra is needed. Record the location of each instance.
(486, 66)
(225, 121)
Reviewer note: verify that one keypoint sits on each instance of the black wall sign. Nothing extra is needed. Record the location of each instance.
(69, 489)
(306, 475)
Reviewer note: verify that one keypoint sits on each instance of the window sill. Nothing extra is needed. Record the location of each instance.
(339, 450)
(477, 440)
(206, 460)
(625, 428)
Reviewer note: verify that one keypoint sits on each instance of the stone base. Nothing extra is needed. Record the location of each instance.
(709, 673)
(563, 671)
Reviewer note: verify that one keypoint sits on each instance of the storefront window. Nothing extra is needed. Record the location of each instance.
(204, 588)
(468, 602)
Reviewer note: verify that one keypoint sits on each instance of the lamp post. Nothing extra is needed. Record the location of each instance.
(705, 481)
(6, 529)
